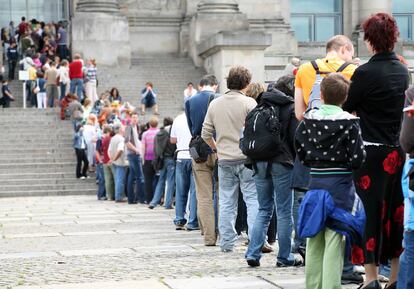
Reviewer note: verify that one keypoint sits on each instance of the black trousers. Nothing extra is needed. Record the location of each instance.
(81, 157)
(12, 68)
(149, 177)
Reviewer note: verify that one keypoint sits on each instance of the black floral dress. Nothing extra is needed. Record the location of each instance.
(378, 184)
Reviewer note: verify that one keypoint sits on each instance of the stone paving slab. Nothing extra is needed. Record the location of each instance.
(220, 283)
(81, 240)
(146, 284)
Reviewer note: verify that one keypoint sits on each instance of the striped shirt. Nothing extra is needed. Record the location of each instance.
(91, 73)
(148, 138)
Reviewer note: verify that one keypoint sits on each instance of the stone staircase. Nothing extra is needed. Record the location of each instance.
(36, 156)
(169, 75)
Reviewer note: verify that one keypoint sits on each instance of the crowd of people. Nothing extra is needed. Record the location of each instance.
(320, 154)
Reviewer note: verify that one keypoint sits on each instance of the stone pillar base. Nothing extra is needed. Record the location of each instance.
(102, 36)
(226, 49)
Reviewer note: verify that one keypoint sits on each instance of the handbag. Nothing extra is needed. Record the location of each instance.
(158, 163)
(199, 149)
(36, 89)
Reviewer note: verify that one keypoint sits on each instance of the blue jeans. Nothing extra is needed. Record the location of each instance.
(101, 181)
(405, 275)
(76, 84)
(273, 191)
(62, 91)
(119, 176)
(184, 185)
(167, 173)
(231, 177)
(135, 193)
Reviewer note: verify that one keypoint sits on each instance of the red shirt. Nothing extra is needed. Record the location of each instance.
(23, 27)
(105, 145)
(75, 69)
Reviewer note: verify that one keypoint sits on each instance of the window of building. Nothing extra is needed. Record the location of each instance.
(403, 11)
(42, 10)
(315, 20)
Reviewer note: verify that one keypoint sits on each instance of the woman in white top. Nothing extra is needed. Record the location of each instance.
(90, 134)
(64, 79)
(90, 86)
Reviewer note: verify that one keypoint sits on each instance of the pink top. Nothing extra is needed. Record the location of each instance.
(37, 62)
(148, 140)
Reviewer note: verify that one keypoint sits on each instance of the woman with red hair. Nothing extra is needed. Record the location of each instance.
(377, 96)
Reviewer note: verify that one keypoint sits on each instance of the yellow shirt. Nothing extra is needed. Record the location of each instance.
(306, 75)
(32, 73)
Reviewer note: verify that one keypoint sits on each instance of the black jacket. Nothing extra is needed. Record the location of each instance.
(162, 145)
(285, 152)
(376, 94)
(327, 143)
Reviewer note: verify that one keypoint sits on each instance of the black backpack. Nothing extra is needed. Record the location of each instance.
(261, 134)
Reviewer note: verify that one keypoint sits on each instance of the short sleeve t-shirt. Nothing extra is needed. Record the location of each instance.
(104, 147)
(148, 140)
(306, 74)
(117, 144)
(5, 89)
(181, 131)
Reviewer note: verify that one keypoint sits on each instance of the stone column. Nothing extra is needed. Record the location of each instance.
(212, 17)
(226, 49)
(367, 8)
(99, 31)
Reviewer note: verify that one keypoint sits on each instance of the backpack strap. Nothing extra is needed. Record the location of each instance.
(343, 66)
(315, 66)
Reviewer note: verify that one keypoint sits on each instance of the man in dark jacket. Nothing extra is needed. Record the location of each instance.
(164, 159)
(273, 179)
(12, 57)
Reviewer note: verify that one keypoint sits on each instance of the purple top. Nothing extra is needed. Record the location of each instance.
(148, 140)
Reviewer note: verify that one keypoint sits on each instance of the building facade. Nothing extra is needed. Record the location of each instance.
(213, 33)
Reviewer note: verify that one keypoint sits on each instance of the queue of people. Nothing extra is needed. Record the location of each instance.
(318, 154)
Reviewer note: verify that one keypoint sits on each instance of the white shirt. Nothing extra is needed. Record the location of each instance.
(181, 131)
(187, 93)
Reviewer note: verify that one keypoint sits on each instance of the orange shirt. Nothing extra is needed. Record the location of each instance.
(306, 74)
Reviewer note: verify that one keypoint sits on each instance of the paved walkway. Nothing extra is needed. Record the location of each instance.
(79, 242)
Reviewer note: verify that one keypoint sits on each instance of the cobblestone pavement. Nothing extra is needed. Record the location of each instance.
(77, 239)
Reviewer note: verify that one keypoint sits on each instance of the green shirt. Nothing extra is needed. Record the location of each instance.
(328, 109)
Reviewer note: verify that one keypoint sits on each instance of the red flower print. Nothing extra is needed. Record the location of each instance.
(399, 216)
(387, 228)
(364, 182)
(384, 210)
(392, 162)
(357, 255)
(371, 244)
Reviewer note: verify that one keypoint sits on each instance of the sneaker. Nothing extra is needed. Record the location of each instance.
(296, 262)
(253, 262)
(351, 278)
(102, 199)
(151, 207)
(82, 178)
(359, 269)
(192, 229)
(179, 227)
(224, 250)
(267, 248)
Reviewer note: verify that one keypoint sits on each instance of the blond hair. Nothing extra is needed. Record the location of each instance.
(153, 122)
(254, 89)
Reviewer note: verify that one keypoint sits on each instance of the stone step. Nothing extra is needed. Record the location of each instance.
(38, 166)
(42, 159)
(38, 193)
(48, 181)
(53, 175)
(38, 150)
(47, 187)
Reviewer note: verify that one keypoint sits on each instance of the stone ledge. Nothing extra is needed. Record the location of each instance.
(240, 40)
